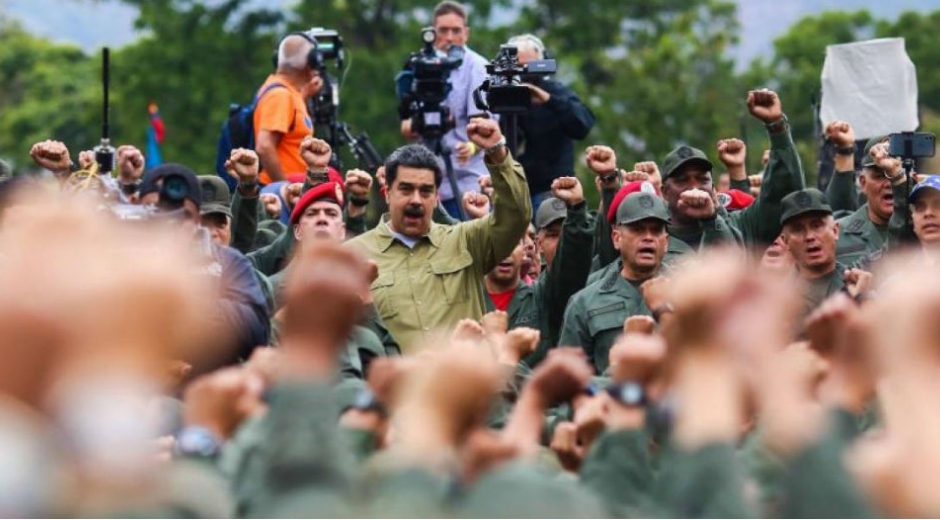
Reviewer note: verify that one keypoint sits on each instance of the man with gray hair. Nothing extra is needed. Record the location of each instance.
(547, 133)
(281, 121)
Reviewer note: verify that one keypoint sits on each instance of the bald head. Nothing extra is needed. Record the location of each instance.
(292, 54)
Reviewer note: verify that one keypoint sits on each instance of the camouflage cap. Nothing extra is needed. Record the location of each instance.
(641, 206)
(867, 161)
(804, 201)
(550, 210)
(216, 197)
(682, 156)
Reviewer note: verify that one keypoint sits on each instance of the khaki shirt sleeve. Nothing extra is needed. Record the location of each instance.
(493, 237)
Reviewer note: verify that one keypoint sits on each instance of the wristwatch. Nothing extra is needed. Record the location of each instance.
(196, 441)
(248, 186)
(610, 177)
(318, 177)
(845, 150)
(778, 125)
(495, 148)
(628, 393)
(359, 202)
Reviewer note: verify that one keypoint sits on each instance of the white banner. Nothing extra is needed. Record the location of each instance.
(872, 85)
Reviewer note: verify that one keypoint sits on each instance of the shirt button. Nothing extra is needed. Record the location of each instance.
(427, 329)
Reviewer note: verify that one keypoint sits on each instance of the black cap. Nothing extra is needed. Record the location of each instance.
(151, 177)
(804, 201)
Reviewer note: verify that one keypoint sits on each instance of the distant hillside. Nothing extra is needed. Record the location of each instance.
(81, 21)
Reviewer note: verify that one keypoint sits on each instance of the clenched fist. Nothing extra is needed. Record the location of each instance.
(316, 153)
(891, 166)
(358, 184)
(86, 159)
(765, 105)
(52, 155)
(485, 133)
(697, 204)
(243, 165)
(601, 159)
(476, 205)
(486, 185)
(732, 153)
(840, 133)
(568, 190)
(130, 163)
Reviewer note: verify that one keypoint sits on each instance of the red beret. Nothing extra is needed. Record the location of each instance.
(736, 200)
(628, 188)
(332, 191)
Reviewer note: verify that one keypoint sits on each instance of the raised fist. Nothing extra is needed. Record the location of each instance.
(272, 205)
(486, 185)
(732, 152)
(765, 105)
(568, 190)
(697, 204)
(858, 282)
(222, 400)
(637, 357)
(316, 153)
(358, 184)
(485, 133)
(562, 375)
(840, 133)
(476, 205)
(380, 177)
(130, 163)
(243, 165)
(86, 158)
(639, 324)
(464, 152)
(890, 165)
(654, 291)
(601, 159)
(52, 155)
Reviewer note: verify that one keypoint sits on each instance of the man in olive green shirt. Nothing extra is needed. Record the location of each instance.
(431, 276)
(595, 315)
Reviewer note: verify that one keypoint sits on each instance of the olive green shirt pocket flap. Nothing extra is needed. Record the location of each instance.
(607, 317)
(454, 276)
(382, 293)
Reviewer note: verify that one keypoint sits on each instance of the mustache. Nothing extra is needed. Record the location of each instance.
(414, 211)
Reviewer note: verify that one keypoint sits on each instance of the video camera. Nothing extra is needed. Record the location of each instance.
(329, 47)
(173, 192)
(423, 86)
(504, 92)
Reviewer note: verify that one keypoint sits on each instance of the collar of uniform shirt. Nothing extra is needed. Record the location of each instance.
(409, 242)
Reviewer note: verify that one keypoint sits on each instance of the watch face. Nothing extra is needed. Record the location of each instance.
(631, 394)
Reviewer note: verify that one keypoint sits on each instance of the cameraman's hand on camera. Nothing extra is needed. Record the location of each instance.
(476, 205)
(485, 134)
(465, 151)
(53, 156)
(316, 153)
(313, 87)
(130, 163)
(539, 95)
(568, 190)
(765, 105)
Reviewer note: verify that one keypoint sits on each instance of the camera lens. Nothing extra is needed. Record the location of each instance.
(175, 188)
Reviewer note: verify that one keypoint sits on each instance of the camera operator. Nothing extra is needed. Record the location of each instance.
(451, 30)
(242, 310)
(548, 131)
(280, 119)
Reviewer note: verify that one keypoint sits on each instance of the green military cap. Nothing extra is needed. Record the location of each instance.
(682, 156)
(867, 161)
(216, 197)
(641, 206)
(804, 201)
(550, 210)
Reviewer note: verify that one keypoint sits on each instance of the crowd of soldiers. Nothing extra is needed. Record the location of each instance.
(676, 352)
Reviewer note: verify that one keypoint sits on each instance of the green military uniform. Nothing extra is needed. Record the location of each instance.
(542, 305)
(805, 201)
(595, 315)
(859, 237)
(758, 224)
(439, 280)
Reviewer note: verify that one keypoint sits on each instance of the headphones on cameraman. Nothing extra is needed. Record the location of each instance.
(312, 57)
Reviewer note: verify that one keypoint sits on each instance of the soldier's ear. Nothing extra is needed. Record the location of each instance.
(297, 232)
(836, 229)
(615, 237)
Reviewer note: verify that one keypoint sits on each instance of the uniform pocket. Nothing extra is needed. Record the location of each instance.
(606, 318)
(452, 276)
(382, 292)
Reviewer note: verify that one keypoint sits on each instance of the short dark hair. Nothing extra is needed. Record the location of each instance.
(412, 156)
(450, 7)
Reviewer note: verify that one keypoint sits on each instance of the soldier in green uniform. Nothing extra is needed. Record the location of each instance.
(595, 315)
(865, 230)
(811, 235)
(542, 305)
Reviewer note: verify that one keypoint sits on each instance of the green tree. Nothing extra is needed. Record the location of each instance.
(47, 91)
